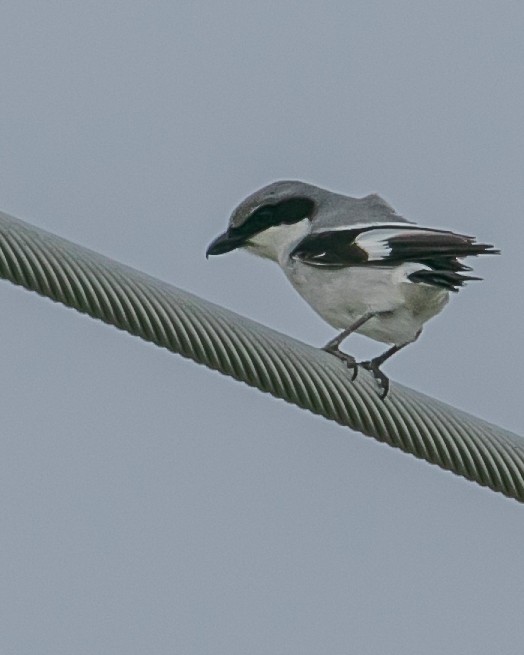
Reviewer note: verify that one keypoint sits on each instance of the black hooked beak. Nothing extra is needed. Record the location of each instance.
(225, 243)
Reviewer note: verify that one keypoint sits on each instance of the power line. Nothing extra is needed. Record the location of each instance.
(260, 357)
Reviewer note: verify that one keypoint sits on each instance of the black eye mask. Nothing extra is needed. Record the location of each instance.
(285, 212)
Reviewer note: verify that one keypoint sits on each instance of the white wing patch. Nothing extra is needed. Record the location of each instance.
(375, 242)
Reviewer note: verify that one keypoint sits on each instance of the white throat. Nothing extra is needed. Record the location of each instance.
(276, 242)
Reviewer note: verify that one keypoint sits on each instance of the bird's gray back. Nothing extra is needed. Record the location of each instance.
(336, 211)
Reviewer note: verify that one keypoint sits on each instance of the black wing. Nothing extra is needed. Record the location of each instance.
(389, 245)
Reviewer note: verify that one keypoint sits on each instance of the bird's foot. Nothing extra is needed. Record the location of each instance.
(348, 360)
(373, 365)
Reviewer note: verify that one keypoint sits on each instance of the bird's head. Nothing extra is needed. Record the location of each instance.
(268, 221)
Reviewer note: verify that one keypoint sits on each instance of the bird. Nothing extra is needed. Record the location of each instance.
(361, 266)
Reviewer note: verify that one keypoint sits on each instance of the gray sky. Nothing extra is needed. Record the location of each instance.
(149, 505)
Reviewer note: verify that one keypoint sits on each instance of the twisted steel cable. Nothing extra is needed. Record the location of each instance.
(261, 357)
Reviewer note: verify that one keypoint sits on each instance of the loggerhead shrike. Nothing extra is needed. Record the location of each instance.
(359, 264)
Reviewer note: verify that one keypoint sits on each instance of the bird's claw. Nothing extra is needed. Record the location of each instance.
(372, 365)
(382, 379)
(348, 360)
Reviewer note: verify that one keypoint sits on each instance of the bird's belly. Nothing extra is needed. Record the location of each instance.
(342, 296)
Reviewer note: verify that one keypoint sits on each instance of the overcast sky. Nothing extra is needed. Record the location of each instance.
(149, 505)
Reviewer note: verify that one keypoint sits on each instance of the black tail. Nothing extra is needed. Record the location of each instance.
(440, 250)
(449, 280)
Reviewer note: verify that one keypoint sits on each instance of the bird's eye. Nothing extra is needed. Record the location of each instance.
(263, 217)
(260, 220)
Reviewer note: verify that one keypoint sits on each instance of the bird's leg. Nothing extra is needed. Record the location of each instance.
(374, 365)
(335, 343)
(332, 346)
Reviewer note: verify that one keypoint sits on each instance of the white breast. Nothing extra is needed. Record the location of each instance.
(341, 296)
